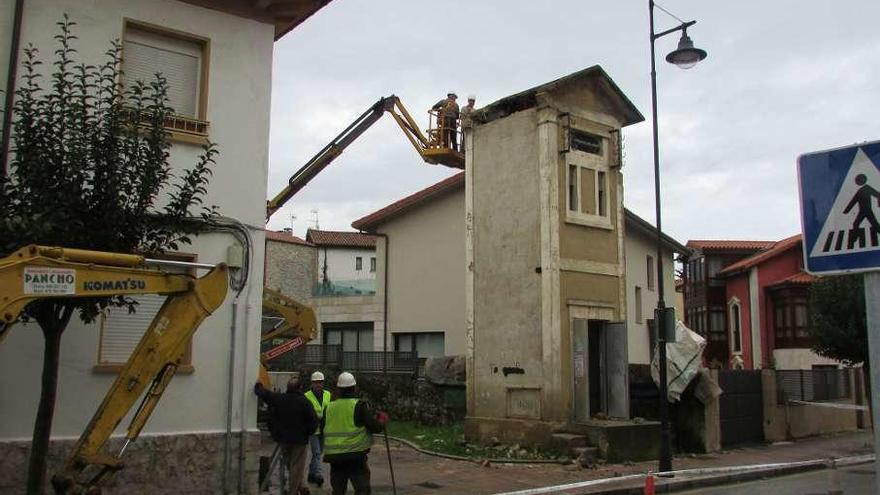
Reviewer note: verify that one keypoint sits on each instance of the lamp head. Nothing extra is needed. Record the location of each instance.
(685, 56)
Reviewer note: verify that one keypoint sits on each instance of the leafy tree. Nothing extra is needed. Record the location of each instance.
(90, 169)
(839, 323)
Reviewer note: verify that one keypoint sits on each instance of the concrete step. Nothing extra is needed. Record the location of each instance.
(566, 442)
(585, 457)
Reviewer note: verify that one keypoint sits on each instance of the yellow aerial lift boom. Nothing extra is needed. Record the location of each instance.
(428, 146)
(299, 320)
(38, 272)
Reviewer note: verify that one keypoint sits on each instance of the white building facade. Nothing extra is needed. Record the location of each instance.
(218, 60)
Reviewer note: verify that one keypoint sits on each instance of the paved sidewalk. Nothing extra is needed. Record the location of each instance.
(418, 473)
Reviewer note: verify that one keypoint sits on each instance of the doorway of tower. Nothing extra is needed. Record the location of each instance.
(599, 369)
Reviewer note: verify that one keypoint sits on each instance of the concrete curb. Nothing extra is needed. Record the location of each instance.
(690, 479)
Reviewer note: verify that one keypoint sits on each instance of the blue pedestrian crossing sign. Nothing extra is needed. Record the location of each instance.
(840, 209)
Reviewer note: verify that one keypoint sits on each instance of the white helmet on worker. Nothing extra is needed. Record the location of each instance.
(472, 97)
(345, 380)
(317, 376)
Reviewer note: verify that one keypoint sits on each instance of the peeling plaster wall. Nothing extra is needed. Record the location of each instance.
(507, 250)
(530, 263)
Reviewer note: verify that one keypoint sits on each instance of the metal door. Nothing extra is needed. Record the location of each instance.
(742, 406)
(579, 370)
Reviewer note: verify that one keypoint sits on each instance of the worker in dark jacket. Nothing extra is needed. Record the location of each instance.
(291, 420)
(447, 117)
(347, 426)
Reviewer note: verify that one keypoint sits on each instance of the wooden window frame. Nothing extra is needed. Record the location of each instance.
(413, 348)
(576, 161)
(714, 334)
(787, 334)
(600, 195)
(734, 308)
(637, 296)
(186, 366)
(181, 128)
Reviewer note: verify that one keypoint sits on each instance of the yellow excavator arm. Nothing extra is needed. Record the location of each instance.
(37, 272)
(298, 322)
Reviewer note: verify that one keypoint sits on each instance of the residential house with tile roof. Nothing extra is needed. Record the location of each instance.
(344, 291)
(705, 301)
(346, 261)
(768, 311)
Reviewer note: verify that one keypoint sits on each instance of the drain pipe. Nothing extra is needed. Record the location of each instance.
(245, 393)
(11, 75)
(227, 447)
(384, 303)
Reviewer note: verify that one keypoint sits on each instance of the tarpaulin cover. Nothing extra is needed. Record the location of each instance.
(684, 357)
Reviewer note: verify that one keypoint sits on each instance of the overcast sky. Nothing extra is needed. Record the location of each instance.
(783, 77)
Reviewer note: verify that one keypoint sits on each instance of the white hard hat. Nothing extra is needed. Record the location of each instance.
(472, 97)
(346, 379)
(317, 376)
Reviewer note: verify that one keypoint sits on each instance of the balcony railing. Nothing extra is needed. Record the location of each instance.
(173, 123)
(332, 356)
(813, 385)
(365, 287)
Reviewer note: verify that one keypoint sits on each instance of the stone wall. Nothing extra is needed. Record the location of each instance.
(190, 464)
(292, 269)
(788, 421)
(409, 399)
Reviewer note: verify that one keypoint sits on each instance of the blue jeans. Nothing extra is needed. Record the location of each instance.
(315, 462)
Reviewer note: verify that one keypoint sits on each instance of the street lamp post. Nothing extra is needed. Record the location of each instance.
(685, 56)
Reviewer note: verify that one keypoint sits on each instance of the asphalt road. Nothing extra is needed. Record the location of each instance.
(855, 480)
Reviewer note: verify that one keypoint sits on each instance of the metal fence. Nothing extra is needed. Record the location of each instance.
(332, 356)
(813, 385)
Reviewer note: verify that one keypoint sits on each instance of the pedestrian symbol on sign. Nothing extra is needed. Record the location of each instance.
(851, 226)
(863, 200)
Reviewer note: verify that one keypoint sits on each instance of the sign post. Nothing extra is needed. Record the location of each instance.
(872, 308)
(840, 207)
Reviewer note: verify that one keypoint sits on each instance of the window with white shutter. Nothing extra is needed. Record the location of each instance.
(121, 331)
(182, 60)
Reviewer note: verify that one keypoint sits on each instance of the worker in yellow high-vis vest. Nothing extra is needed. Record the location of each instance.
(347, 427)
(319, 398)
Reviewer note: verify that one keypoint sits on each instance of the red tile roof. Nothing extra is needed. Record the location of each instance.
(286, 237)
(775, 249)
(726, 245)
(800, 278)
(373, 220)
(335, 238)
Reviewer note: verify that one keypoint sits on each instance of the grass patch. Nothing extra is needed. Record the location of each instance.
(450, 440)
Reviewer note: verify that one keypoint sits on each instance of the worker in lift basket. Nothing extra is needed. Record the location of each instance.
(291, 420)
(448, 119)
(347, 428)
(319, 398)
